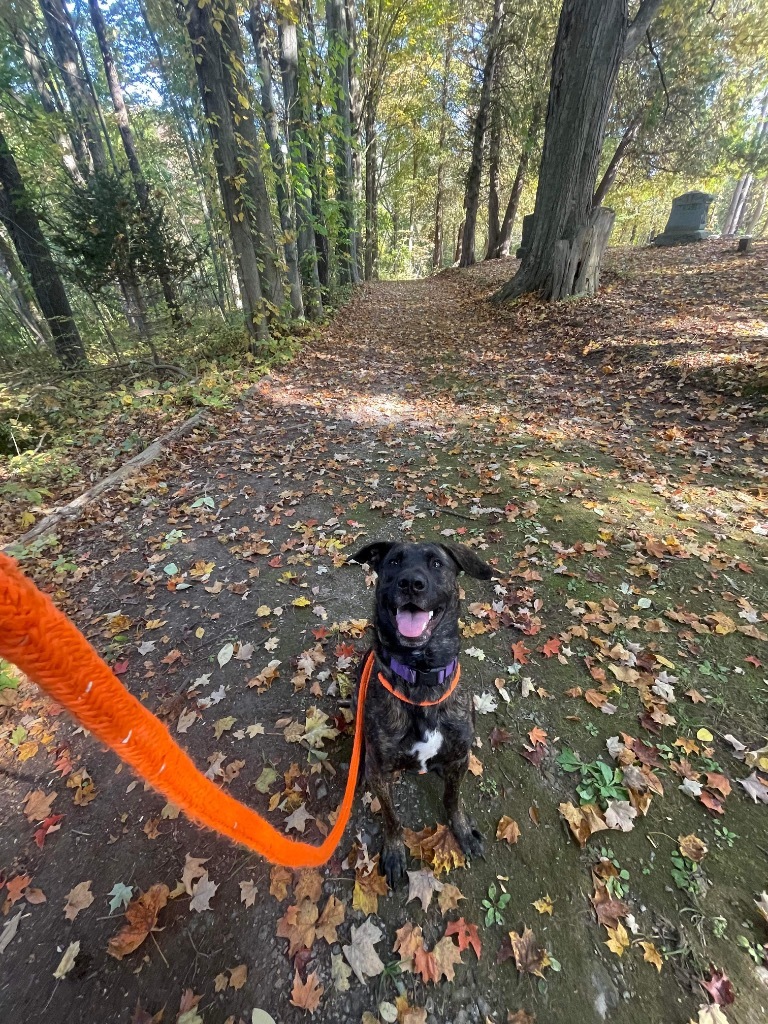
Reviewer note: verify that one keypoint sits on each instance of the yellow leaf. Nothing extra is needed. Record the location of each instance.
(663, 661)
(651, 955)
(263, 610)
(619, 939)
(704, 735)
(301, 602)
(27, 520)
(199, 632)
(544, 905)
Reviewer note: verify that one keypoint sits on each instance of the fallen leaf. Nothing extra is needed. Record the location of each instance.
(331, 918)
(15, 890)
(692, 847)
(238, 976)
(651, 955)
(369, 885)
(529, 957)
(307, 994)
(142, 918)
(618, 939)
(340, 973)
(448, 898)
(225, 654)
(360, 954)
(508, 829)
(466, 935)
(421, 885)
(409, 939)
(67, 962)
(280, 880)
(719, 988)
(437, 847)
(193, 869)
(78, 899)
(37, 806)
(298, 926)
(202, 893)
(619, 815)
(248, 892)
(544, 905)
(584, 821)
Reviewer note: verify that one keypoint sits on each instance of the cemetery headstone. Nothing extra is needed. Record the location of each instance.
(687, 220)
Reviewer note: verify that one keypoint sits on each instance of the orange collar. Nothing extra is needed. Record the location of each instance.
(419, 703)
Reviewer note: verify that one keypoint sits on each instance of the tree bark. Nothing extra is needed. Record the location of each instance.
(258, 32)
(89, 145)
(563, 258)
(213, 73)
(494, 161)
(22, 224)
(437, 242)
(630, 134)
(338, 48)
(129, 145)
(302, 164)
(474, 175)
(21, 295)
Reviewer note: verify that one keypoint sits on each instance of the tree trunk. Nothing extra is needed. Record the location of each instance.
(22, 296)
(459, 237)
(474, 175)
(437, 243)
(630, 134)
(89, 145)
(297, 125)
(258, 32)
(22, 224)
(505, 234)
(371, 191)
(494, 161)
(213, 72)
(356, 120)
(129, 145)
(338, 47)
(564, 254)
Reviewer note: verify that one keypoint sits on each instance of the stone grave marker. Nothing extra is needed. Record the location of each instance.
(687, 220)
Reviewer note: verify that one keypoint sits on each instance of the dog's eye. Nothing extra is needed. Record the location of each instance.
(437, 563)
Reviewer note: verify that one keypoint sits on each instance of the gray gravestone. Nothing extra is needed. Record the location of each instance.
(687, 220)
(525, 241)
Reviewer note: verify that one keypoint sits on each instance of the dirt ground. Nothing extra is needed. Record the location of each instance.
(609, 458)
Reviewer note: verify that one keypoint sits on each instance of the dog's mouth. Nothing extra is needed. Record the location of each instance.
(414, 624)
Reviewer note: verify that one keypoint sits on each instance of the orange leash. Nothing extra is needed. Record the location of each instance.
(47, 647)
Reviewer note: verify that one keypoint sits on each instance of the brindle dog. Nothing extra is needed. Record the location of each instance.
(416, 651)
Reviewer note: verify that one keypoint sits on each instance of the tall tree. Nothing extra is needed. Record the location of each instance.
(504, 237)
(338, 59)
(474, 174)
(129, 145)
(258, 30)
(437, 238)
(23, 226)
(302, 161)
(569, 233)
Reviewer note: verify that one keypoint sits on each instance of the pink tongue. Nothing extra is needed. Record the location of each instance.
(412, 624)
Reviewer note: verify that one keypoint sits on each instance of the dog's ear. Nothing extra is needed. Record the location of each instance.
(468, 562)
(372, 554)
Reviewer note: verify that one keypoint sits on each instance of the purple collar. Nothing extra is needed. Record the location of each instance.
(428, 677)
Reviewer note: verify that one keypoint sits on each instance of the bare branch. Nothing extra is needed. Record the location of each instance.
(645, 14)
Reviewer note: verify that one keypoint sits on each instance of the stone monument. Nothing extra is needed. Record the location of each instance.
(525, 241)
(687, 220)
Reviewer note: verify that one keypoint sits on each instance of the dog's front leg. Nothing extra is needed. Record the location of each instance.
(392, 861)
(468, 837)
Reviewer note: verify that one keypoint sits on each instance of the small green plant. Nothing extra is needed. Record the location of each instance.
(591, 728)
(617, 885)
(63, 565)
(754, 949)
(171, 538)
(7, 681)
(599, 781)
(489, 786)
(719, 925)
(722, 833)
(685, 874)
(494, 906)
(204, 501)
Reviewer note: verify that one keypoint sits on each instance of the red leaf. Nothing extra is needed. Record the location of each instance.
(719, 988)
(49, 825)
(520, 652)
(466, 935)
(550, 648)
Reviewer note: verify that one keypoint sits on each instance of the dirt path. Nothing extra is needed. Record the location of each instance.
(627, 516)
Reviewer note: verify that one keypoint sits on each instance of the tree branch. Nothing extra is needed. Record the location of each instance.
(646, 13)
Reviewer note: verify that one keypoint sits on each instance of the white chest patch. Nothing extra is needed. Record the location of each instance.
(427, 747)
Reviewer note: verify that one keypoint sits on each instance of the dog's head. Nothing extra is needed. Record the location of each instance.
(417, 599)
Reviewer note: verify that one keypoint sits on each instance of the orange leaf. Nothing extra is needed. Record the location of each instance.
(466, 935)
(306, 994)
(142, 918)
(508, 829)
(520, 652)
(537, 735)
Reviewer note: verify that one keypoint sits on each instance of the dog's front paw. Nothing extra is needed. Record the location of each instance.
(392, 862)
(469, 838)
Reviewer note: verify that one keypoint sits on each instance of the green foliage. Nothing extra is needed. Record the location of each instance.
(599, 781)
(494, 905)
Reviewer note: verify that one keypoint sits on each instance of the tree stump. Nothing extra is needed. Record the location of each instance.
(577, 262)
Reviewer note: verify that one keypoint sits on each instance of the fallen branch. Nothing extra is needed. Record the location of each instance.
(75, 507)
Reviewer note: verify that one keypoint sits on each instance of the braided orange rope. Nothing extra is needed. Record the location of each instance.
(50, 649)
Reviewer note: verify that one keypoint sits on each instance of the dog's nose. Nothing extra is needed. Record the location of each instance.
(413, 582)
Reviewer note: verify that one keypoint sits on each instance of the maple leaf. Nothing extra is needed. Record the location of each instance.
(67, 962)
(446, 955)
(298, 926)
(550, 649)
(331, 918)
(651, 955)
(409, 940)
(121, 896)
(466, 935)
(309, 885)
(537, 736)
(719, 988)
(520, 652)
(193, 869)
(248, 892)
(15, 890)
(425, 964)
(544, 905)
(609, 910)
(307, 994)
(437, 847)
(508, 829)
(298, 820)
(619, 815)
(202, 893)
(618, 940)
(37, 806)
(498, 737)
(340, 973)
(692, 847)
(421, 885)
(78, 899)
(584, 821)
(142, 918)
(448, 898)
(360, 954)
(51, 824)
(280, 880)
(238, 976)
(756, 786)
(369, 885)
(529, 958)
